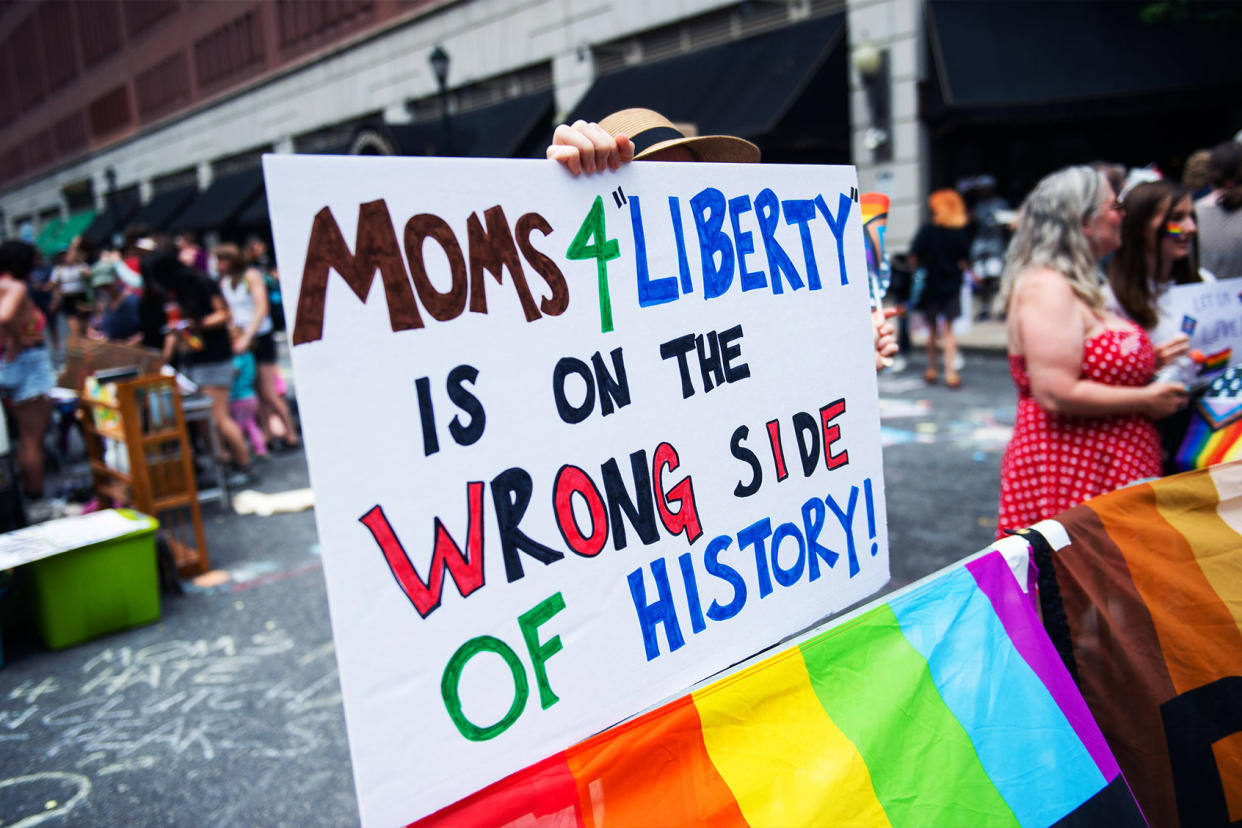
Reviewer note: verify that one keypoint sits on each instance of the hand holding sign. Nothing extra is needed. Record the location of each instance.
(589, 147)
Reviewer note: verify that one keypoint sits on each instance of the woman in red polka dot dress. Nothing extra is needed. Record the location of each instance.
(1085, 400)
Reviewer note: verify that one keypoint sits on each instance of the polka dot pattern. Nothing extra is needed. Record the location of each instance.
(1055, 461)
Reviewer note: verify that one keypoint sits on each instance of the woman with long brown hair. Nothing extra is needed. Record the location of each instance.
(1158, 249)
(942, 249)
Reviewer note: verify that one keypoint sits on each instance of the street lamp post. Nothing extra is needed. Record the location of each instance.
(110, 200)
(440, 65)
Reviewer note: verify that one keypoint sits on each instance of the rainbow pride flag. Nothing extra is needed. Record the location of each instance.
(1204, 446)
(944, 706)
(1214, 427)
(1147, 603)
(1211, 363)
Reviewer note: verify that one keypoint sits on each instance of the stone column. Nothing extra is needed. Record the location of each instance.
(894, 27)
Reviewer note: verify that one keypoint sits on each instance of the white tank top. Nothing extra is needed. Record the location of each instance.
(241, 302)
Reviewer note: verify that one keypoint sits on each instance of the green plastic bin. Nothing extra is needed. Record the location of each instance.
(103, 586)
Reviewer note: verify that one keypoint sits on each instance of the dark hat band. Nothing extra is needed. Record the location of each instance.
(650, 137)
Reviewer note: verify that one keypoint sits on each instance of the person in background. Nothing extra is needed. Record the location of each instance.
(153, 302)
(1197, 174)
(136, 245)
(71, 288)
(197, 335)
(1220, 213)
(257, 256)
(991, 215)
(118, 319)
(129, 278)
(942, 248)
(246, 294)
(26, 374)
(1085, 400)
(43, 294)
(586, 148)
(1114, 173)
(1157, 251)
(190, 254)
(243, 404)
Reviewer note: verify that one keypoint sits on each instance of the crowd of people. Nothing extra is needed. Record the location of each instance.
(1100, 404)
(1077, 272)
(213, 316)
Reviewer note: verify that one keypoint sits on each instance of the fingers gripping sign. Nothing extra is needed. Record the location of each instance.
(587, 148)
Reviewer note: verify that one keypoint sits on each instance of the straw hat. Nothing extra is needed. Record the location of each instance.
(651, 132)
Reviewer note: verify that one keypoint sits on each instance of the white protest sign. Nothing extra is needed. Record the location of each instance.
(1211, 314)
(576, 444)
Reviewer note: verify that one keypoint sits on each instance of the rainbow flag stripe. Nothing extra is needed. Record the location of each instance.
(1150, 593)
(872, 205)
(946, 705)
(1218, 361)
(1205, 446)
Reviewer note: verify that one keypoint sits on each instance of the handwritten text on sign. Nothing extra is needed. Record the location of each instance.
(590, 440)
(1210, 313)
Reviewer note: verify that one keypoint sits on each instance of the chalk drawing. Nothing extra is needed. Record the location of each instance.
(58, 780)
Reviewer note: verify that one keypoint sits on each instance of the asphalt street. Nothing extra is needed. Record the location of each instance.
(228, 712)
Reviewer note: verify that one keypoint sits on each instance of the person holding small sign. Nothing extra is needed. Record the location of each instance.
(1159, 249)
(646, 135)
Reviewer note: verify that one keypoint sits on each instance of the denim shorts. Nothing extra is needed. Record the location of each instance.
(28, 376)
(211, 374)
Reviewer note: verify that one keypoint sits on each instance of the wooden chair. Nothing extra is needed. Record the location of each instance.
(140, 455)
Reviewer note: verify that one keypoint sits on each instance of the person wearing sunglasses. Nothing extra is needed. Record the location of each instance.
(1083, 373)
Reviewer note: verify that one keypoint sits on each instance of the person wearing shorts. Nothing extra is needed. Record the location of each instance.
(246, 293)
(71, 290)
(200, 336)
(26, 374)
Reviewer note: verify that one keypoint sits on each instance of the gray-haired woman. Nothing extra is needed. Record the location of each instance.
(1085, 397)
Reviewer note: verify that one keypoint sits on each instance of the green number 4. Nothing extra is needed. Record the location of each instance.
(592, 242)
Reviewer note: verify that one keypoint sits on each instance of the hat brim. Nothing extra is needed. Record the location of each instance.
(718, 149)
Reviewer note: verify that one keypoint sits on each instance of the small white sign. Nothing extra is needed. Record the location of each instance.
(576, 444)
(1210, 313)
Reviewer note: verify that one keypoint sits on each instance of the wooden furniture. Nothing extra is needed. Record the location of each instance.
(85, 356)
(140, 455)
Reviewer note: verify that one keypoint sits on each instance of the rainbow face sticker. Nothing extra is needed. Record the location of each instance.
(1176, 228)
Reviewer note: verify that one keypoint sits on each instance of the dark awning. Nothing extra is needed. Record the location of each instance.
(254, 215)
(743, 88)
(993, 59)
(221, 202)
(113, 219)
(157, 213)
(498, 131)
